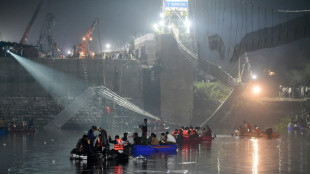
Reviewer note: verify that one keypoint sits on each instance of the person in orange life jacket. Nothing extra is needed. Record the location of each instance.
(118, 143)
(175, 133)
(186, 132)
(190, 129)
(193, 132)
(98, 144)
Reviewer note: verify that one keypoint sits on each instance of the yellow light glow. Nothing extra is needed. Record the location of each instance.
(256, 90)
(255, 155)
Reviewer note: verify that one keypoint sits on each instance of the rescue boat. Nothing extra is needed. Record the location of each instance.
(149, 149)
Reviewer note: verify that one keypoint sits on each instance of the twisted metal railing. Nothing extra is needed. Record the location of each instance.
(208, 67)
(80, 101)
(205, 65)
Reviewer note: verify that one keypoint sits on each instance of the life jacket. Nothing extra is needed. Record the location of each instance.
(174, 132)
(119, 145)
(193, 131)
(185, 133)
(99, 142)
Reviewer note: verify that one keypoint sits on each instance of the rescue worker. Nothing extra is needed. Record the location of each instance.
(136, 139)
(143, 127)
(104, 137)
(204, 131)
(179, 136)
(185, 132)
(256, 130)
(163, 139)
(175, 133)
(125, 138)
(118, 145)
(170, 138)
(78, 148)
(194, 133)
(91, 135)
(104, 141)
(87, 149)
(241, 130)
(98, 144)
(154, 139)
(117, 152)
(180, 131)
(208, 131)
(248, 126)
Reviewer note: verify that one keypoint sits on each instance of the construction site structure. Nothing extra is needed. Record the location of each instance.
(83, 48)
(46, 32)
(34, 16)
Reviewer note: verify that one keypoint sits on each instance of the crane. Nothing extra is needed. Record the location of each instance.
(46, 31)
(34, 16)
(83, 47)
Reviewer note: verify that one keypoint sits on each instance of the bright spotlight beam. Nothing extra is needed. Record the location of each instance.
(54, 82)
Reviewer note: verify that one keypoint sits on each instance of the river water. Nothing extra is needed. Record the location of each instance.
(49, 153)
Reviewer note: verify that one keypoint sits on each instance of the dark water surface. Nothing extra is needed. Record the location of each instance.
(49, 153)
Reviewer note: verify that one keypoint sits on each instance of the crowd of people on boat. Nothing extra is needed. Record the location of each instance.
(247, 128)
(165, 137)
(92, 144)
(191, 132)
(299, 122)
(12, 125)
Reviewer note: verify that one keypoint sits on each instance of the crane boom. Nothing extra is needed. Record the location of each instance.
(84, 52)
(34, 16)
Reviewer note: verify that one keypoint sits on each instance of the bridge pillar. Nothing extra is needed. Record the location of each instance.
(176, 82)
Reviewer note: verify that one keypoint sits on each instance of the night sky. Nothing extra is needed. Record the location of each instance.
(119, 20)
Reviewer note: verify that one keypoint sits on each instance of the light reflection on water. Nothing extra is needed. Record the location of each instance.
(46, 153)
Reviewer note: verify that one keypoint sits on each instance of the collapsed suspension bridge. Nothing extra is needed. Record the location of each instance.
(249, 29)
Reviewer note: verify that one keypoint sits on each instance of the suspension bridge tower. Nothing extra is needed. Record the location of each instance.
(174, 12)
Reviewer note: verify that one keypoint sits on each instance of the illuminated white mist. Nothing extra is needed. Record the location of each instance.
(54, 82)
